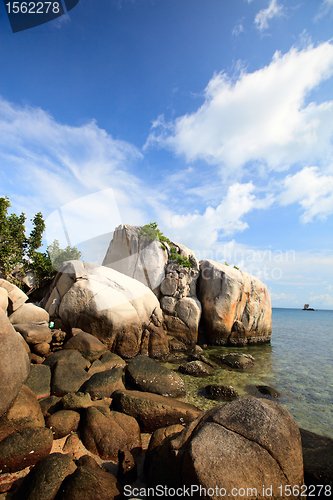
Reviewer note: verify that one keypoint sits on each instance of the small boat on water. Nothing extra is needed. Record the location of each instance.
(307, 308)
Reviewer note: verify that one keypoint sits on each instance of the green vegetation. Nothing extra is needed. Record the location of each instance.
(152, 232)
(18, 252)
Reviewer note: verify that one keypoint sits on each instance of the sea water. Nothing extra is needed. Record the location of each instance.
(298, 363)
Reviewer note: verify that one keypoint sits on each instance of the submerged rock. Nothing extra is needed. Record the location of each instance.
(226, 392)
(237, 361)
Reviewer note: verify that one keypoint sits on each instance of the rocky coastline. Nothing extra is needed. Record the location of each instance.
(88, 410)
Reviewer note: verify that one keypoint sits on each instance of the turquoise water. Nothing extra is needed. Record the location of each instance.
(298, 363)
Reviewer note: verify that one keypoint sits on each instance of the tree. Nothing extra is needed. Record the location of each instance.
(20, 251)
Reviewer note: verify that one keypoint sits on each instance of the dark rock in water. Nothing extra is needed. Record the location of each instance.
(250, 440)
(226, 392)
(103, 384)
(25, 448)
(63, 422)
(89, 346)
(127, 470)
(104, 433)
(145, 374)
(318, 461)
(67, 355)
(24, 412)
(200, 357)
(175, 357)
(237, 360)
(89, 484)
(44, 480)
(153, 411)
(266, 390)
(67, 377)
(39, 380)
(196, 369)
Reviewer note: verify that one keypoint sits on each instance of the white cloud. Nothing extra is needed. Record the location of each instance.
(264, 15)
(238, 29)
(324, 299)
(259, 118)
(324, 9)
(312, 190)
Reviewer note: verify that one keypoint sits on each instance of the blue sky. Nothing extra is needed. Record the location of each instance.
(212, 117)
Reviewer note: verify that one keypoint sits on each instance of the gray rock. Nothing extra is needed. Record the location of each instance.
(146, 375)
(226, 392)
(196, 369)
(15, 296)
(237, 360)
(29, 313)
(35, 333)
(3, 299)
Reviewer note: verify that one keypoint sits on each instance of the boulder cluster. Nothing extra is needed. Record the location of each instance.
(87, 413)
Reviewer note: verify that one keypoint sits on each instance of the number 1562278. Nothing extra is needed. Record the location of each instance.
(32, 7)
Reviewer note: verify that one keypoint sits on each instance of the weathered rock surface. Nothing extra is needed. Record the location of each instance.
(3, 299)
(137, 256)
(63, 422)
(121, 312)
(67, 377)
(236, 307)
(45, 479)
(70, 355)
(25, 448)
(104, 433)
(103, 384)
(16, 297)
(76, 401)
(196, 369)
(318, 461)
(89, 346)
(29, 313)
(14, 363)
(226, 392)
(39, 380)
(153, 411)
(251, 442)
(87, 484)
(146, 375)
(237, 361)
(35, 333)
(50, 405)
(24, 412)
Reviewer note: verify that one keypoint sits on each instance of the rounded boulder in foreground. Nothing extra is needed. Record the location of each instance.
(250, 443)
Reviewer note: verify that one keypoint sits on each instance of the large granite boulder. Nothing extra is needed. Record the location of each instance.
(135, 255)
(16, 298)
(232, 451)
(236, 307)
(14, 363)
(120, 311)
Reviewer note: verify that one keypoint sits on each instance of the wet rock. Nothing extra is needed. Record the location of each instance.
(145, 374)
(67, 377)
(153, 411)
(62, 423)
(266, 390)
(318, 461)
(39, 380)
(226, 392)
(24, 448)
(237, 360)
(89, 346)
(103, 384)
(196, 369)
(176, 345)
(104, 433)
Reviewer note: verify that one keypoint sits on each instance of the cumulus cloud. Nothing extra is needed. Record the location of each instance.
(312, 190)
(261, 117)
(265, 15)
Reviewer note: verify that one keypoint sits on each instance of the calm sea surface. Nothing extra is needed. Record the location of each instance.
(298, 363)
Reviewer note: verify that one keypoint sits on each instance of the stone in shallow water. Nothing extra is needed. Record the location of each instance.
(237, 360)
(226, 392)
(266, 390)
(196, 369)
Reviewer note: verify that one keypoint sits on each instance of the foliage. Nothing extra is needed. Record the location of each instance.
(20, 251)
(152, 232)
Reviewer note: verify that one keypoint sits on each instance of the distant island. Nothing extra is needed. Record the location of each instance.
(307, 308)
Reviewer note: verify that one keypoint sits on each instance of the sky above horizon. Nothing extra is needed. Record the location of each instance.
(212, 117)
